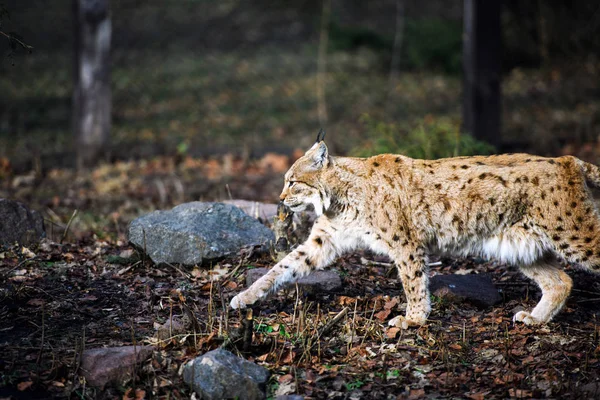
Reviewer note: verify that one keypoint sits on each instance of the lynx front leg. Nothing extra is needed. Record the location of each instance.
(412, 268)
(316, 253)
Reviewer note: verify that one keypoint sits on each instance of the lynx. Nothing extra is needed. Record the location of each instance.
(519, 209)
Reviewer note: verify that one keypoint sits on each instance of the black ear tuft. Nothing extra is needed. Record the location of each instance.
(320, 135)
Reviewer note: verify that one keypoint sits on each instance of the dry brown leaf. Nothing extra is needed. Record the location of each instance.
(391, 333)
(310, 376)
(24, 385)
(382, 315)
(285, 378)
(289, 357)
(231, 285)
(346, 300)
(416, 394)
(520, 393)
(36, 302)
(391, 304)
(478, 395)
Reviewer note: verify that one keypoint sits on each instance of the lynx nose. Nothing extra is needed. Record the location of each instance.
(282, 197)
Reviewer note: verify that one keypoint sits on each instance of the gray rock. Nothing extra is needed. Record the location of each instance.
(475, 288)
(193, 232)
(115, 365)
(219, 374)
(318, 281)
(19, 224)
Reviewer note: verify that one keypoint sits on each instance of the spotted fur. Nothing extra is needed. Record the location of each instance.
(519, 209)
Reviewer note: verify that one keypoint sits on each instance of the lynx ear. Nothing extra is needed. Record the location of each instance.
(320, 135)
(319, 154)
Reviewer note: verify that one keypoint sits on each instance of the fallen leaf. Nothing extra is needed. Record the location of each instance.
(36, 302)
(310, 377)
(391, 333)
(416, 393)
(285, 378)
(285, 389)
(382, 315)
(346, 300)
(231, 285)
(24, 385)
(520, 393)
(391, 304)
(289, 357)
(478, 395)
(27, 253)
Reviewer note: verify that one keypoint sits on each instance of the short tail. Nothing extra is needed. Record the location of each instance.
(591, 173)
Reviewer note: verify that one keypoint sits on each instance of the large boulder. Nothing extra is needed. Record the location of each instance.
(19, 224)
(220, 374)
(194, 232)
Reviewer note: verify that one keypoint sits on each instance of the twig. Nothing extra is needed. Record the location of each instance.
(329, 325)
(178, 270)
(248, 330)
(68, 226)
(39, 359)
(21, 43)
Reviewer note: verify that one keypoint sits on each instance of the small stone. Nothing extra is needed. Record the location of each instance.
(220, 374)
(170, 328)
(478, 289)
(19, 224)
(317, 281)
(115, 365)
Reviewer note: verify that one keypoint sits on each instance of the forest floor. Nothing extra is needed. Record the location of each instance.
(93, 290)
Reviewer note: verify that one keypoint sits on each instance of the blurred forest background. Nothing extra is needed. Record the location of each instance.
(211, 87)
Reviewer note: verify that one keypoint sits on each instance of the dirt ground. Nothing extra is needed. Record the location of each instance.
(93, 290)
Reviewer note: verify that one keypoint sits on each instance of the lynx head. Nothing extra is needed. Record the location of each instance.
(303, 185)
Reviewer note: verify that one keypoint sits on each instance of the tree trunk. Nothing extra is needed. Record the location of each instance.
(92, 94)
(482, 70)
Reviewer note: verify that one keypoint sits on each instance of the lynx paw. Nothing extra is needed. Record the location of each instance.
(242, 300)
(404, 323)
(526, 318)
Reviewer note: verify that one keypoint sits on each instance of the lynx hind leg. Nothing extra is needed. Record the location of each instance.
(412, 270)
(556, 287)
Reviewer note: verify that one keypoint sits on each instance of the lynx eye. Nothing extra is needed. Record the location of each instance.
(291, 183)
